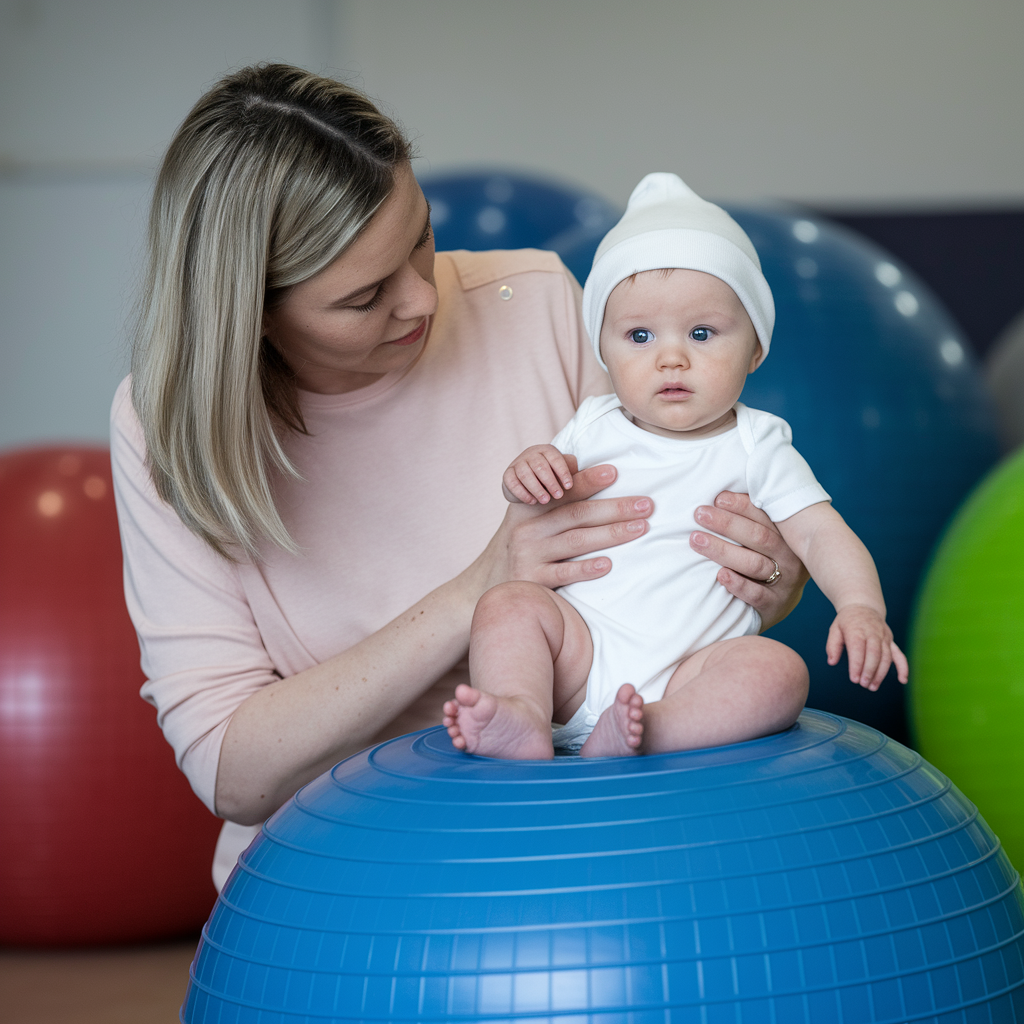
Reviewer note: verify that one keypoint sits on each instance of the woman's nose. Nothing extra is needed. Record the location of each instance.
(416, 296)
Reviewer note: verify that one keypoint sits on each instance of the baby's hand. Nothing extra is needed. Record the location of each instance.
(870, 649)
(538, 475)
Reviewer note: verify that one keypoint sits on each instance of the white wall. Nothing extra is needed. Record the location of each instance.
(829, 101)
(92, 91)
(872, 102)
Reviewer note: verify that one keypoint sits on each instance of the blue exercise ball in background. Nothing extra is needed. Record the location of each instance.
(888, 406)
(825, 874)
(494, 210)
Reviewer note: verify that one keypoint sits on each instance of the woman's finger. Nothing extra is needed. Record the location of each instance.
(588, 482)
(735, 517)
(561, 574)
(569, 537)
(743, 560)
(758, 547)
(542, 538)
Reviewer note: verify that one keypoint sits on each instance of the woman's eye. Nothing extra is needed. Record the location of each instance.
(700, 333)
(366, 307)
(641, 336)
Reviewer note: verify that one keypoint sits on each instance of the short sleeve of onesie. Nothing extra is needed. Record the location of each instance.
(590, 409)
(779, 480)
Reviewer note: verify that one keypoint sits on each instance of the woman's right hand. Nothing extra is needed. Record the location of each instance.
(535, 542)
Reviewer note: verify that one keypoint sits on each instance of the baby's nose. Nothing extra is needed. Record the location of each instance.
(672, 356)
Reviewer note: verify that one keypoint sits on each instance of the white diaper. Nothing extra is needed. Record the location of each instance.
(574, 733)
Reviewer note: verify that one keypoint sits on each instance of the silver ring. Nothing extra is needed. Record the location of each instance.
(775, 576)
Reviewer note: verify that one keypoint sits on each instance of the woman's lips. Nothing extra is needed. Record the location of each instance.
(413, 336)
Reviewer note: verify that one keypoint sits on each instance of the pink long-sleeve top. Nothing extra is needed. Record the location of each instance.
(372, 513)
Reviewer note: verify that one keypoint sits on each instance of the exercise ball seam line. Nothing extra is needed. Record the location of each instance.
(773, 780)
(668, 794)
(630, 852)
(949, 872)
(456, 758)
(372, 758)
(475, 1018)
(611, 965)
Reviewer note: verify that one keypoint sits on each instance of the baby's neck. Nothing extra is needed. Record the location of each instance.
(722, 425)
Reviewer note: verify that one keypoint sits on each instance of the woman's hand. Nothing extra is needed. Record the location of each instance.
(534, 541)
(744, 568)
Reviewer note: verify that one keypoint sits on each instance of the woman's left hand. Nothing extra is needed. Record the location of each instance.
(745, 568)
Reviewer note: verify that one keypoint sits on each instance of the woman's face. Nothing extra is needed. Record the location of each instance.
(368, 312)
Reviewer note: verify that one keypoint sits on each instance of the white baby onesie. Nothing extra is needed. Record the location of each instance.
(661, 602)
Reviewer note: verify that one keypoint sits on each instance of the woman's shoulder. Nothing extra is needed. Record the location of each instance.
(478, 269)
(123, 419)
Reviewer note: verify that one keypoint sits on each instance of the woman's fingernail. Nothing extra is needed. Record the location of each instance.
(723, 500)
(699, 540)
(637, 526)
(643, 505)
(703, 514)
(600, 564)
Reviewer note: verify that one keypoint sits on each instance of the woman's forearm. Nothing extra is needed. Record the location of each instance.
(292, 730)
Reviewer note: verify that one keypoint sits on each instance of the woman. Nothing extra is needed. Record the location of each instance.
(300, 585)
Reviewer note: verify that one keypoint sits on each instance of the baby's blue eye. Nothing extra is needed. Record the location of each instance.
(641, 336)
(700, 334)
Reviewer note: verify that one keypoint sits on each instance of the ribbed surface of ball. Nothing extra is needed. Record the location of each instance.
(823, 874)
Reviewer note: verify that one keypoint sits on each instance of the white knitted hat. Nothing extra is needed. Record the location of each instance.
(666, 224)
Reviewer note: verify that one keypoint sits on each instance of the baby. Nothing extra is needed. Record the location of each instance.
(657, 655)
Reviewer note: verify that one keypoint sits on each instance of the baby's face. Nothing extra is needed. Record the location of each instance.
(678, 345)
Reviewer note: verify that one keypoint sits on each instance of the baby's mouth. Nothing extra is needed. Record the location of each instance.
(675, 391)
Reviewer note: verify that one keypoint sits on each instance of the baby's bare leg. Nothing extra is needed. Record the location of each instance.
(731, 691)
(529, 652)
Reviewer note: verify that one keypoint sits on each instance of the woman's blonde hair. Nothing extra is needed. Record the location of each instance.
(274, 172)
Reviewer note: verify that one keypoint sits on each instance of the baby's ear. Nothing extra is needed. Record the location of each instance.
(757, 358)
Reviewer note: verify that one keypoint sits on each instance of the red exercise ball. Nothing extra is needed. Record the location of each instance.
(101, 838)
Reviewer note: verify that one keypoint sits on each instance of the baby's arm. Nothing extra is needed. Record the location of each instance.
(538, 475)
(840, 564)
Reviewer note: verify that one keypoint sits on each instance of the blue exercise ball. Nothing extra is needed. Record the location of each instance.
(498, 210)
(824, 874)
(888, 406)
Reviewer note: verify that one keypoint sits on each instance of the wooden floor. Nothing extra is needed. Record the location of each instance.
(135, 985)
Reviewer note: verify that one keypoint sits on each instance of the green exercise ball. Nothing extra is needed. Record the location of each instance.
(967, 654)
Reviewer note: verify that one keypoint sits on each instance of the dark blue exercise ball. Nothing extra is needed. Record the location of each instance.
(498, 210)
(888, 406)
(825, 874)
(884, 396)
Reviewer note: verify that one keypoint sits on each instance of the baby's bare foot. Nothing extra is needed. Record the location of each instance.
(481, 723)
(620, 729)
